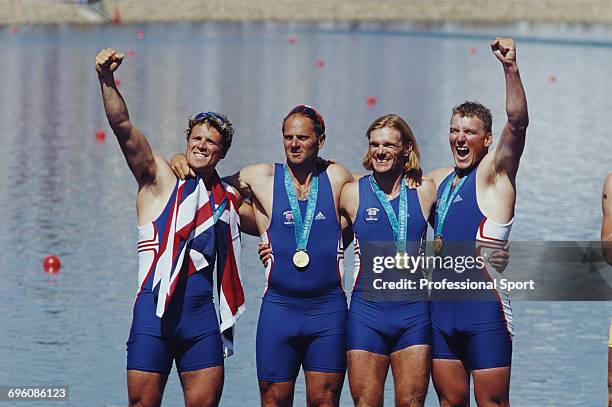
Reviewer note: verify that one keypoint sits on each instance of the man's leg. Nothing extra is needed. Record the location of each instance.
(323, 389)
(492, 386)
(203, 387)
(411, 367)
(610, 367)
(279, 352)
(490, 357)
(145, 389)
(452, 382)
(367, 374)
(276, 394)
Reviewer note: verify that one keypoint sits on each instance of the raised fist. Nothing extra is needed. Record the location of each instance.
(504, 49)
(107, 61)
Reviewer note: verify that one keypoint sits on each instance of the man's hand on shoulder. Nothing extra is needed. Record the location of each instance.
(180, 166)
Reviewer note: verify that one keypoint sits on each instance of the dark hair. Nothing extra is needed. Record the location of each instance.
(308, 111)
(475, 109)
(217, 121)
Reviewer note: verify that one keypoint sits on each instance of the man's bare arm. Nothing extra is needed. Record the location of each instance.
(247, 178)
(606, 223)
(512, 140)
(349, 202)
(247, 219)
(134, 145)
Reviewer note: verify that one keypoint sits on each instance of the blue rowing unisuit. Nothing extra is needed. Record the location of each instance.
(477, 330)
(302, 320)
(374, 324)
(323, 275)
(189, 331)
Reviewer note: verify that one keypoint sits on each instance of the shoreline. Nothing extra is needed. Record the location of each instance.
(52, 12)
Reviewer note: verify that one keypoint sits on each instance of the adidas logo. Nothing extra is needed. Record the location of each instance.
(457, 199)
(320, 216)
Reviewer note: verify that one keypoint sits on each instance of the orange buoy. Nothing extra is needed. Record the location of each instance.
(371, 100)
(100, 135)
(291, 39)
(51, 264)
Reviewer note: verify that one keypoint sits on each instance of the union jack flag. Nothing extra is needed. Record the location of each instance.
(191, 241)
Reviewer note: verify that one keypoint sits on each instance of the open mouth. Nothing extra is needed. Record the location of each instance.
(381, 160)
(462, 151)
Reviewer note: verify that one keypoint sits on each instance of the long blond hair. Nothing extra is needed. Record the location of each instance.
(412, 166)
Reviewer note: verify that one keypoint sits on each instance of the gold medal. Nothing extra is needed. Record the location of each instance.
(437, 244)
(301, 259)
(399, 263)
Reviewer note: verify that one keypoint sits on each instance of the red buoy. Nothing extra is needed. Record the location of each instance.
(552, 79)
(472, 50)
(100, 135)
(371, 100)
(117, 16)
(140, 34)
(51, 264)
(14, 30)
(291, 39)
(118, 82)
(131, 53)
(321, 63)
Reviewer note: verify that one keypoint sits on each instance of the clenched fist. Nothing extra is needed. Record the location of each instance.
(504, 49)
(107, 61)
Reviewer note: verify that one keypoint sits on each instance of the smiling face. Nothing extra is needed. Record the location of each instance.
(387, 152)
(204, 147)
(300, 140)
(468, 140)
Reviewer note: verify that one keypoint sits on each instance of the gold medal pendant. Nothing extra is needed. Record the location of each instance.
(301, 259)
(437, 244)
(400, 264)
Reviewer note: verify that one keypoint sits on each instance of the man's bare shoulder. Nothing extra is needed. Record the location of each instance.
(256, 173)
(261, 169)
(162, 180)
(438, 175)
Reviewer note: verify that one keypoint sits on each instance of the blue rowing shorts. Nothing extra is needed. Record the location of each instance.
(188, 333)
(301, 331)
(387, 326)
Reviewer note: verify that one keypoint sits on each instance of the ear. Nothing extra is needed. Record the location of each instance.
(321, 140)
(488, 139)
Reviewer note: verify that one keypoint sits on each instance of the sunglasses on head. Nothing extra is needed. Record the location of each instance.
(219, 119)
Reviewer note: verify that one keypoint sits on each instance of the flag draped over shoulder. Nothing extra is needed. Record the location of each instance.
(194, 240)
